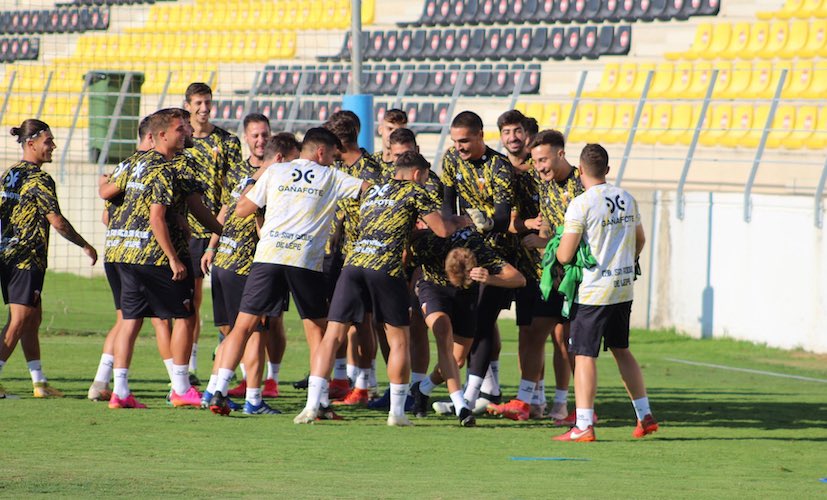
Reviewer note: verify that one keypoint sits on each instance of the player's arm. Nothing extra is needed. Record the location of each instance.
(203, 214)
(65, 229)
(508, 277)
(444, 226)
(246, 207)
(640, 239)
(568, 247)
(106, 188)
(212, 246)
(105, 217)
(158, 224)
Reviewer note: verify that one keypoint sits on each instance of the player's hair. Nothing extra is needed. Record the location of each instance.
(345, 127)
(531, 126)
(469, 120)
(458, 265)
(143, 128)
(29, 129)
(412, 159)
(283, 142)
(197, 88)
(594, 160)
(353, 116)
(402, 136)
(511, 117)
(161, 119)
(319, 136)
(553, 138)
(396, 116)
(256, 118)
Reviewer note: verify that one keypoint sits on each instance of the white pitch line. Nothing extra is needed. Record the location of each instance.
(747, 370)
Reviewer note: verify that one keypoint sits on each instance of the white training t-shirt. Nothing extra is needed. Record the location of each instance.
(607, 217)
(301, 198)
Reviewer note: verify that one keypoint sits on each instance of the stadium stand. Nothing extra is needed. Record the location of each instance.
(62, 19)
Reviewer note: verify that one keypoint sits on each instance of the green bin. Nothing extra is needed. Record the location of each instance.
(104, 88)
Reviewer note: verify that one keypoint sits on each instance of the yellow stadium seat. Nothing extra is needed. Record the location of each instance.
(681, 79)
(818, 139)
(759, 121)
(778, 36)
(603, 123)
(584, 120)
(739, 81)
(761, 80)
(330, 14)
(782, 126)
(806, 118)
(536, 110)
(261, 46)
(556, 115)
(654, 123)
(818, 87)
(368, 11)
(724, 79)
(790, 9)
(621, 125)
(800, 80)
(716, 125)
(662, 82)
(633, 79)
(721, 35)
(522, 107)
(608, 81)
(816, 40)
(288, 49)
(812, 8)
(740, 126)
(703, 38)
(701, 75)
(738, 41)
(681, 125)
(796, 41)
(758, 37)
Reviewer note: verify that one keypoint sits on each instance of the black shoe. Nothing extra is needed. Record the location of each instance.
(498, 399)
(194, 380)
(420, 403)
(301, 384)
(466, 418)
(327, 413)
(219, 405)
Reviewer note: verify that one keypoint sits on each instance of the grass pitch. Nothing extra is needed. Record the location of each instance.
(724, 433)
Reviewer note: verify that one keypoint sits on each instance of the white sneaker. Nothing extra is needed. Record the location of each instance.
(443, 407)
(307, 416)
(399, 421)
(99, 391)
(481, 406)
(559, 411)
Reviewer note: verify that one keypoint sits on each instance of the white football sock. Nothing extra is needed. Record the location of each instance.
(362, 378)
(641, 407)
(491, 383)
(459, 401)
(526, 390)
(585, 418)
(472, 389)
(104, 373)
(168, 366)
(417, 377)
(223, 382)
(36, 371)
(372, 376)
(194, 358)
(121, 379)
(351, 371)
(426, 386)
(180, 379)
(254, 396)
(340, 369)
(273, 371)
(561, 396)
(243, 371)
(212, 383)
(399, 392)
(315, 387)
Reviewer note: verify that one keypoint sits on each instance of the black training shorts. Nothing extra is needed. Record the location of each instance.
(21, 286)
(590, 324)
(361, 290)
(268, 284)
(459, 304)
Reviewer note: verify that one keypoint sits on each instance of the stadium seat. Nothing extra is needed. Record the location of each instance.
(790, 9)
(609, 80)
(571, 44)
(721, 37)
(508, 44)
(621, 125)
(738, 40)
(456, 11)
(816, 40)
(759, 121)
(418, 79)
(447, 44)
(586, 11)
(531, 81)
(662, 81)
(563, 11)
(778, 34)
(701, 75)
(554, 44)
(492, 44)
(461, 45)
(818, 139)
(717, 123)
(588, 47)
(708, 8)
(759, 35)
(682, 122)
(556, 115)
(469, 12)
(539, 38)
(437, 81)
(337, 81)
(499, 83)
(469, 79)
(740, 126)
(648, 10)
(724, 79)
(624, 10)
(621, 42)
(783, 124)
(739, 81)
(402, 52)
(500, 13)
(632, 79)
(375, 44)
(412, 110)
(674, 10)
(425, 116)
(806, 119)
(584, 120)
(392, 80)
(431, 51)
(375, 79)
(700, 45)
(429, 12)
(482, 80)
(390, 46)
(441, 116)
(522, 46)
(800, 79)
(609, 11)
(796, 41)
(647, 132)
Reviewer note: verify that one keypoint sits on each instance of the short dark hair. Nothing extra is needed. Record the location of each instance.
(553, 138)
(344, 127)
(594, 160)
(29, 129)
(402, 136)
(256, 118)
(412, 159)
(469, 120)
(319, 136)
(511, 117)
(350, 114)
(161, 119)
(531, 126)
(396, 116)
(283, 142)
(197, 88)
(143, 128)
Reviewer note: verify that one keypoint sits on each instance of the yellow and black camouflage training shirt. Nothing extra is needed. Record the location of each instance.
(215, 156)
(556, 196)
(28, 195)
(124, 166)
(347, 210)
(430, 251)
(238, 240)
(529, 260)
(386, 220)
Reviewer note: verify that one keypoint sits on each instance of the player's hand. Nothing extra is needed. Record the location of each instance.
(480, 275)
(533, 241)
(103, 180)
(90, 251)
(206, 261)
(179, 270)
(535, 223)
(479, 219)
